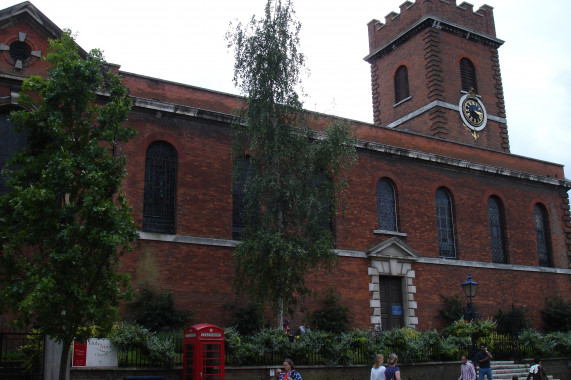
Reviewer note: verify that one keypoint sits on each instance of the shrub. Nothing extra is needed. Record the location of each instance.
(33, 351)
(240, 351)
(476, 329)
(534, 341)
(332, 317)
(247, 319)
(512, 322)
(453, 308)
(559, 342)
(157, 350)
(157, 311)
(402, 341)
(557, 314)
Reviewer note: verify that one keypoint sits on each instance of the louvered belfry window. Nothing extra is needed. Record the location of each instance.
(497, 236)
(542, 235)
(401, 84)
(386, 206)
(160, 188)
(445, 224)
(20, 51)
(468, 75)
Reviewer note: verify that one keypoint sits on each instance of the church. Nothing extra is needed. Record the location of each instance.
(434, 198)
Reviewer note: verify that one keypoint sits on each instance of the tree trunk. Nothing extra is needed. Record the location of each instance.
(64, 360)
(280, 313)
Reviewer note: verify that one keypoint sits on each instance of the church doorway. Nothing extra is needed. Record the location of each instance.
(392, 311)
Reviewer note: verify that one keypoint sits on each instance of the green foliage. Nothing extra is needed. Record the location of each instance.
(33, 351)
(478, 329)
(512, 322)
(545, 345)
(248, 319)
(65, 224)
(156, 349)
(556, 315)
(454, 346)
(269, 346)
(453, 309)
(559, 342)
(157, 311)
(292, 191)
(332, 317)
(535, 341)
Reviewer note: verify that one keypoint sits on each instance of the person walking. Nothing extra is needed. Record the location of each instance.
(392, 372)
(483, 359)
(467, 370)
(289, 372)
(536, 371)
(378, 370)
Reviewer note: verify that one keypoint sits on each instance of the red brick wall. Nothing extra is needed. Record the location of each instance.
(416, 184)
(499, 289)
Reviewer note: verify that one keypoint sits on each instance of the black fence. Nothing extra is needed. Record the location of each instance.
(503, 348)
(21, 356)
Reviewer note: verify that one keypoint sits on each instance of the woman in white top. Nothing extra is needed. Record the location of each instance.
(378, 370)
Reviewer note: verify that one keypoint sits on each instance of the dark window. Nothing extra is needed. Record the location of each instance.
(20, 51)
(445, 224)
(497, 235)
(386, 205)
(10, 143)
(323, 210)
(468, 75)
(238, 196)
(160, 188)
(401, 84)
(542, 235)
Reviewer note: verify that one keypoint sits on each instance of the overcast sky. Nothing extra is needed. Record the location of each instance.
(183, 41)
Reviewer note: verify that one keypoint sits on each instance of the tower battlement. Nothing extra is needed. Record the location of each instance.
(412, 12)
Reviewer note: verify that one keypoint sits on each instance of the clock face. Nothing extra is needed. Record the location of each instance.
(472, 112)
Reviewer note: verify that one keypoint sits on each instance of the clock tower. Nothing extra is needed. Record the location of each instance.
(435, 71)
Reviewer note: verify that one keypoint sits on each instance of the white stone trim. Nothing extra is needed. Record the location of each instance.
(397, 267)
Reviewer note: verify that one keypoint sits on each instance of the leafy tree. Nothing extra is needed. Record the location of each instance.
(64, 224)
(295, 176)
(557, 314)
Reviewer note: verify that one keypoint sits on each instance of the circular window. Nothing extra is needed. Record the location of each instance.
(20, 51)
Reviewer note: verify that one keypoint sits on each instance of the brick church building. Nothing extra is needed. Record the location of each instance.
(435, 194)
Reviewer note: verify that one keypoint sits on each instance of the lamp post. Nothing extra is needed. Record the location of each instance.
(470, 288)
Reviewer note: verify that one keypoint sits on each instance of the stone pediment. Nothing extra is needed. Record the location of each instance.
(27, 12)
(393, 248)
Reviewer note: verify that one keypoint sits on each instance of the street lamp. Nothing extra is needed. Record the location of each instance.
(470, 288)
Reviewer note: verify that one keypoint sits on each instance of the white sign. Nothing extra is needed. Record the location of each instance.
(95, 353)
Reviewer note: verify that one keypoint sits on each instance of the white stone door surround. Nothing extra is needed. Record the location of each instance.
(393, 257)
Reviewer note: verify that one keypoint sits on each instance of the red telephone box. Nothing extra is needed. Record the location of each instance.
(203, 353)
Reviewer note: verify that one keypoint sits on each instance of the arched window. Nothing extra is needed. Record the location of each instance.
(542, 235)
(468, 75)
(242, 170)
(160, 188)
(497, 235)
(445, 224)
(386, 205)
(401, 84)
(10, 143)
(323, 211)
